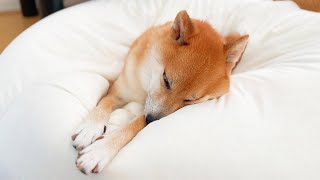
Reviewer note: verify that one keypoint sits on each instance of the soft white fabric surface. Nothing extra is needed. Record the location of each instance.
(267, 127)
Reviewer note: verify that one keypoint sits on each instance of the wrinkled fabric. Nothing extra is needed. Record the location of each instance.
(266, 127)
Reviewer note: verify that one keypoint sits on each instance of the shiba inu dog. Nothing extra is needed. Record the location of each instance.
(168, 67)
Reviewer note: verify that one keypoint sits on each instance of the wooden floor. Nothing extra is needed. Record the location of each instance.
(11, 25)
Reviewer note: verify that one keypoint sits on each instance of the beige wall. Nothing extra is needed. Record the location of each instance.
(9, 5)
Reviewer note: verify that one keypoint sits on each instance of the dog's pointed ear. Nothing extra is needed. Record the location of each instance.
(182, 28)
(234, 48)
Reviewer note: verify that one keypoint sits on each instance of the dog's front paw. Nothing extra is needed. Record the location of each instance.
(96, 156)
(87, 133)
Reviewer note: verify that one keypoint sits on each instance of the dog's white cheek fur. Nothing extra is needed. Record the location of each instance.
(150, 75)
(136, 92)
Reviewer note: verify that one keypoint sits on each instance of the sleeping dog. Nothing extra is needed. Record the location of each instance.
(168, 67)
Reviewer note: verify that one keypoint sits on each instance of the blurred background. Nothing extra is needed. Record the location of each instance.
(17, 15)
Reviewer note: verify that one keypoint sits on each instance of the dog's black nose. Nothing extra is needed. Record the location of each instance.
(150, 118)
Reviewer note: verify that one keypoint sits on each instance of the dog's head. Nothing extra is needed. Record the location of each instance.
(196, 63)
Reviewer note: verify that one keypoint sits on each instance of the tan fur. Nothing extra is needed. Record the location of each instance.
(198, 69)
(195, 69)
(310, 5)
(195, 59)
(98, 113)
(125, 134)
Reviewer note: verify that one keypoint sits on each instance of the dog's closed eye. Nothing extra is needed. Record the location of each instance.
(166, 81)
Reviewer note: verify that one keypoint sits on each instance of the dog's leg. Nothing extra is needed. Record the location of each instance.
(94, 125)
(96, 156)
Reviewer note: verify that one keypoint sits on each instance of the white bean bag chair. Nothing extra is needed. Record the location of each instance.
(266, 127)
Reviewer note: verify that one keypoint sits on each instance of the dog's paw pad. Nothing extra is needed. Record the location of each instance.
(86, 134)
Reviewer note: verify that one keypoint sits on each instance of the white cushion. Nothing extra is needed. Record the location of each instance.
(267, 127)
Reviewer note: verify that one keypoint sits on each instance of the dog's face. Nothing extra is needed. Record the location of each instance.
(196, 63)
